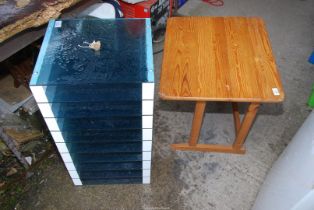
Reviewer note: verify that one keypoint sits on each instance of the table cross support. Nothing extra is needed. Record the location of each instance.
(241, 129)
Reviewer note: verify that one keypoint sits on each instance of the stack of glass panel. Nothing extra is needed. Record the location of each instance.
(98, 105)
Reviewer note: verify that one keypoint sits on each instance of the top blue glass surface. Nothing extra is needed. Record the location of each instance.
(125, 54)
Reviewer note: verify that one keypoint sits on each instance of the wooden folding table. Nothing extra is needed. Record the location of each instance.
(219, 59)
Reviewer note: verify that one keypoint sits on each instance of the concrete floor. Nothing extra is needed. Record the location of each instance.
(192, 180)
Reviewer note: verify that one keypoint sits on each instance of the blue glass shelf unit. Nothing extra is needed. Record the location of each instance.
(98, 104)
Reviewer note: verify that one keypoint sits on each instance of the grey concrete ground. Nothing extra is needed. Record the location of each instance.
(192, 180)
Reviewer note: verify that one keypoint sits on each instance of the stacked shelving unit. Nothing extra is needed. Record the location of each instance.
(98, 105)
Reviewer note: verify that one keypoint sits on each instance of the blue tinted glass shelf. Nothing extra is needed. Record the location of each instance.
(98, 105)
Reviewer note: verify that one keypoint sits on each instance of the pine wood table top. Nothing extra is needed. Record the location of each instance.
(219, 59)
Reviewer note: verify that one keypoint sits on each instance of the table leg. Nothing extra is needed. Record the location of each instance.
(197, 122)
(242, 130)
(245, 125)
(236, 117)
(196, 127)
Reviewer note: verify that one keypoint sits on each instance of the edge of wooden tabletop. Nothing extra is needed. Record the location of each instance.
(188, 98)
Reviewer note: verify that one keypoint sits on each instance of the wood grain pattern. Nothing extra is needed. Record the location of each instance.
(219, 59)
